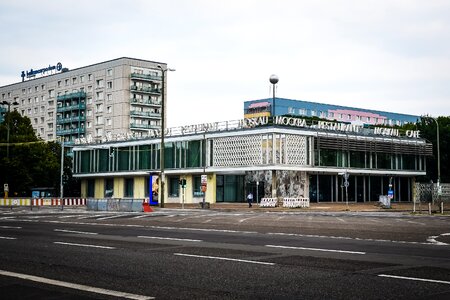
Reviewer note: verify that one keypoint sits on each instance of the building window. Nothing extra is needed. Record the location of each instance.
(74, 80)
(129, 187)
(89, 88)
(108, 122)
(109, 84)
(109, 72)
(313, 112)
(90, 188)
(35, 110)
(50, 114)
(89, 100)
(109, 109)
(109, 187)
(36, 99)
(89, 77)
(36, 88)
(349, 117)
(66, 82)
(197, 186)
(43, 87)
(59, 83)
(174, 187)
(81, 78)
(50, 125)
(109, 97)
(100, 83)
(100, 95)
(89, 124)
(98, 120)
(302, 111)
(99, 132)
(89, 113)
(99, 107)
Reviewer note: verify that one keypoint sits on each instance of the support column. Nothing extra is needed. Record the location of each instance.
(274, 184)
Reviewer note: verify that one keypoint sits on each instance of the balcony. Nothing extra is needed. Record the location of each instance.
(145, 102)
(79, 106)
(144, 126)
(145, 90)
(145, 114)
(70, 131)
(71, 120)
(75, 95)
(147, 77)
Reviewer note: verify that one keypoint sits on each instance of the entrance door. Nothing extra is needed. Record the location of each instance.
(256, 190)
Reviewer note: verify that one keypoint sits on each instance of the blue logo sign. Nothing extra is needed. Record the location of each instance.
(32, 73)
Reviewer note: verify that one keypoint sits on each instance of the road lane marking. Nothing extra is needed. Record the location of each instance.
(432, 239)
(316, 249)
(7, 238)
(226, 258)
(111, 217)
(75, 286)
(414, 278)
(84, 245)
(167, 238)
(342, 220)
(74, 231)
(11, 227)
(141, 216)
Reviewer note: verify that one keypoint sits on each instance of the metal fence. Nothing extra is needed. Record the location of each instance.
(428, 192)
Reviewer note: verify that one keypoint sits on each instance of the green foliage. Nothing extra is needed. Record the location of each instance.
(428, 131)
(31, 162)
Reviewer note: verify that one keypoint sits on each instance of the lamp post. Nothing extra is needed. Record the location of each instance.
(438, 154)
(163, 127)
(8, 124)
(273, 80)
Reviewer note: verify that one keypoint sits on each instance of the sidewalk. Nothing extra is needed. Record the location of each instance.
(323, 206)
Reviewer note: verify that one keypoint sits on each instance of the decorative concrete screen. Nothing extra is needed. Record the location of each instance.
(237, 151)
(251, 150)
(296, 150)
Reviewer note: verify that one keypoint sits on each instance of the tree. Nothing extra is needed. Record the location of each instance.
(32, 162)
(427, 127)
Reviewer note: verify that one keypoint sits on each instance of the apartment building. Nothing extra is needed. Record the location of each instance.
(115, 97)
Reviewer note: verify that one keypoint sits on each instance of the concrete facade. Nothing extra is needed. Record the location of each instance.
(119, 96)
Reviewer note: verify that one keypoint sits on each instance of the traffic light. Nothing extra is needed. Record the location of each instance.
(182, 182)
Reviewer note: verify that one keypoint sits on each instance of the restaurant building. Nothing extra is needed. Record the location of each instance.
(280, 156)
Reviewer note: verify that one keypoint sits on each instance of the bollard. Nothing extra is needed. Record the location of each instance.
(442, 207)
(429, 208)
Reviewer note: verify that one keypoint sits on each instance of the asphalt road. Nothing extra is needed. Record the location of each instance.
(202, 254)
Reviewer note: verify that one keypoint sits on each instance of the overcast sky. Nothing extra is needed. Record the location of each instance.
(384, 55)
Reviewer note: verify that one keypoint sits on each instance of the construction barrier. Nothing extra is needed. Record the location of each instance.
(268, 202)
(15, 202)
(124, 205)
(42, 202)
(295, 202)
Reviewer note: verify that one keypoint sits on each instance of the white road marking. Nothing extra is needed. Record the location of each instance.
(342, 220)
(75, 286)
(412, 222)
(11, 227)
(432, 239)
(141, 216)
(226, 258)
(316, 249)
(414, 278)
(84, 245)
(87, 217)
(111, 217)
(243, 220)
(167, 238)
(73, 231)
(7, 218)
(7, 238)
(347, 238)
(69, 216)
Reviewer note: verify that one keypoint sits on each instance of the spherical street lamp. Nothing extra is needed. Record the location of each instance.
(273, 80)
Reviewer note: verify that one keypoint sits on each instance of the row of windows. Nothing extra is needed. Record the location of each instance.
(187, 154)
(128, 187)
(368, 160)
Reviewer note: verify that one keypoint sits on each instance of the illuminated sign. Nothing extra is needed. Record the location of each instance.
(32, 73)
(253, 123)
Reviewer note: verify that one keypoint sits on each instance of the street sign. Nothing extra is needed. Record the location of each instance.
(390, 194)
(204, 179)
(5, 187)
